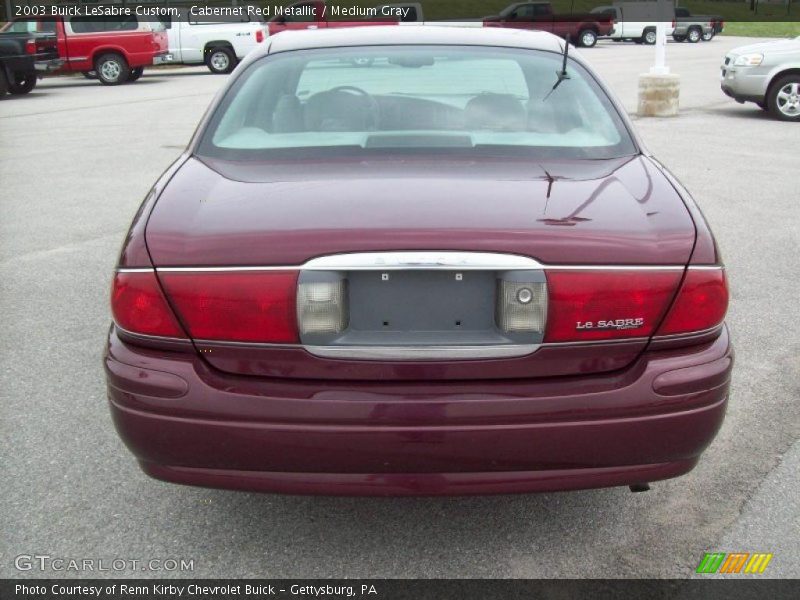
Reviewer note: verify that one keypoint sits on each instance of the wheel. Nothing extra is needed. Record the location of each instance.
(649, 37)
(587, 38)
(220, 60)
(135, 74)
(112, 69)
(22, 83)
(89, 74)
(694, 35)
(783, 98)
(679, 38)
(707, 37)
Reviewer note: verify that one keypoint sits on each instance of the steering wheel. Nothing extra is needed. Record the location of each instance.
(374, 108)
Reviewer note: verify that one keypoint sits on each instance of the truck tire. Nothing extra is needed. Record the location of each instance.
(707, 37)
(220, 60)
(587, 38)
(22, 83)
(112, 69)
(694, 35)
(136, 72)
(783, 98)
(649, 36)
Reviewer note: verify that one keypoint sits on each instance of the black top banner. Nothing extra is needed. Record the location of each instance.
(420, 11)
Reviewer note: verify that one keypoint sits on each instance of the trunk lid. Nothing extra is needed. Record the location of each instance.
(594, 213)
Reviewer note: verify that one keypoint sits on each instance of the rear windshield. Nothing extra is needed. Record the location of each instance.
(432, 98)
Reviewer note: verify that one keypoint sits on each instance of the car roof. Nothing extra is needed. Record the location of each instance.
(391, 35)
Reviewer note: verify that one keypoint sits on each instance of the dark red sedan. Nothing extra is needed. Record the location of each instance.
(417, 260)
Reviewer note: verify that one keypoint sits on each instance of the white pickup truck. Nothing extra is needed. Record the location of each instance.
(637, 21)
(219, 45)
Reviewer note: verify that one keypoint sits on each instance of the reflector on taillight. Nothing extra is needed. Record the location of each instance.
(259, 36)
(247, 306)
(701, 303)
(322, 304)
(521, 306)
(614, 304)
(30, 47)
(138, 306)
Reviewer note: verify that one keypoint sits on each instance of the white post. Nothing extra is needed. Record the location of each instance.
(660, 66)
(659, 90)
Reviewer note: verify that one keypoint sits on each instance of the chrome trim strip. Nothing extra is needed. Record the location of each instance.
(135, 270)
(392, 261)
(595, 342)
(422, 352)
(154, 338)
(245, 344)
(614, 267)
(690, 334)
(311, 265)
(223, 269)
(706, 267)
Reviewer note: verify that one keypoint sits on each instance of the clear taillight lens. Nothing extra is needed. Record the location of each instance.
(322, 307)
(521, 306)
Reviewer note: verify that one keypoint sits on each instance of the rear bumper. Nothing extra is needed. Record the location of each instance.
(48, 66)
(164, 59)
(189, 424)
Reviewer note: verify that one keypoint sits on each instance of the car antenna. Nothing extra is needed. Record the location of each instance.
(562, 74)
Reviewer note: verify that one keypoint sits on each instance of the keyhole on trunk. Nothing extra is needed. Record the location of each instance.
(458, 323)
(386, 323)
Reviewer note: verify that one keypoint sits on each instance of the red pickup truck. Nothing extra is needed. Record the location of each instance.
(582, 28)
(115, 50)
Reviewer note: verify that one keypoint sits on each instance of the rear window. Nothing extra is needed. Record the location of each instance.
(99, 24)
(438, 99)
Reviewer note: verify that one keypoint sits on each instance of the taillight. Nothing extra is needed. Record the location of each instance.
(259, 36)
(30, 47)
(701, 303)
(601, 305)
(247, 306)
(138, 306)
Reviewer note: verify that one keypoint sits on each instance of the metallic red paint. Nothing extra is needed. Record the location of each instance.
(376, 437)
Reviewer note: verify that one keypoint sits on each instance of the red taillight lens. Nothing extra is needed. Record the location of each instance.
(600, 305)
(259, 36)
(701, 304)
(30, 47)
(250, 306)
(139, 306)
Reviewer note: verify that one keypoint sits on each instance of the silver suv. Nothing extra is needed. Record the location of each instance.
(767, 74)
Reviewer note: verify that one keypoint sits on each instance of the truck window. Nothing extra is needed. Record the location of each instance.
(102, 24)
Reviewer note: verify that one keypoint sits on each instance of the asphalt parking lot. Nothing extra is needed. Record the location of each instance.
(76, 159)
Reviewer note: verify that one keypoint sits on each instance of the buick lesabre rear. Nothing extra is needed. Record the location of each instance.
(410, 261)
